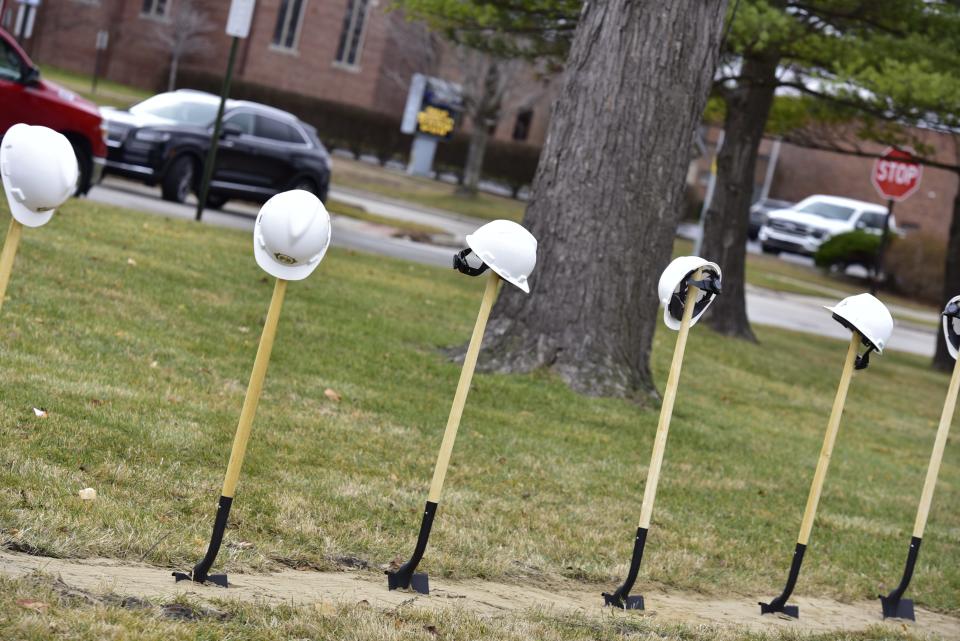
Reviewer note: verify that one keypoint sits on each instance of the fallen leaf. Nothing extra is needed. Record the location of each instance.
(243, 330)
(332, 395)
(30, 604)
(96, 402)
(432, 629)
(88, 494)
(154, 364)
(240, 545)
(40, 412)
(131, 262)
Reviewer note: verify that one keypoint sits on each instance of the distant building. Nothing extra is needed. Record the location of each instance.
(349, 51)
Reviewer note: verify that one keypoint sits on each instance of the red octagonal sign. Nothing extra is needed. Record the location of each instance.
(896, 175)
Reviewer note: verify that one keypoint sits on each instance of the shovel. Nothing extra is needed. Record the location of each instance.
(10, 245)
(621, 598)
(201, 570)
(779, 604)
(406, 576)
(894, 605)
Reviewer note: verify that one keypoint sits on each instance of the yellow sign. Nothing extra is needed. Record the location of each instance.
(435, 121)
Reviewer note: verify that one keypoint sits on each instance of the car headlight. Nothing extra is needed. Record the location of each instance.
(820, 233)
(148, 135)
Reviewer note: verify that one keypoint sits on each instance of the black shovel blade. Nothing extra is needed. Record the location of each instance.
(418, 582)
(627, 603)
(792, 611)
(897, 608)
(216, 579)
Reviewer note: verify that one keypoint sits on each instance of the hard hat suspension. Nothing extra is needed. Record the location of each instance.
(863, 360)
(709, 284)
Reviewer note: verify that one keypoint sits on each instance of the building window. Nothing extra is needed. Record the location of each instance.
(521, 128)
(351, 37)
(154, 8)
(289, 17)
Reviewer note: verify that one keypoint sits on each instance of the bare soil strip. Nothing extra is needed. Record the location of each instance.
(483, 597)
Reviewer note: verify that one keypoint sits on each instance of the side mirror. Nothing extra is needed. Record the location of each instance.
(29, 76)
(230, 130)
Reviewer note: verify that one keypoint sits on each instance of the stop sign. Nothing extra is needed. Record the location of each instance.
(896, 175)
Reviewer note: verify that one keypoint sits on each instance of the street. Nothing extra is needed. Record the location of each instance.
(764, 307)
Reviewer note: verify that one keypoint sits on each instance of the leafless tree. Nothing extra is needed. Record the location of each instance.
(184, 35)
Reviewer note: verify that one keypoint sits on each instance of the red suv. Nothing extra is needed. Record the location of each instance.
(25, 97)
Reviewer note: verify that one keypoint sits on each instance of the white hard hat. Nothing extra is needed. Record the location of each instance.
(39, 171)
(506, 248)
(865, 314)
(291, 235)
(673, 288)
(951, 325)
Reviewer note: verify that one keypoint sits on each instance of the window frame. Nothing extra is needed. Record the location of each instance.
(349, 30)
(295, 47)
(152, 13)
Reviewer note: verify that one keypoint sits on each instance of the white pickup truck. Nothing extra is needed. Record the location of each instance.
(801, 229)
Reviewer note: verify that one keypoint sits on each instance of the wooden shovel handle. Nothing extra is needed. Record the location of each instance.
(937, 455)
(10, 244)
(833, 426)
(254, 388)
(463, 386)
(666, 410)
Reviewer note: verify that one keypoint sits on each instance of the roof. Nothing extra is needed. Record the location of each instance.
(847, 202)
(234, 104)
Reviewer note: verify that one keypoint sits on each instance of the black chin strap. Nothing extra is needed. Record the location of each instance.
(461, 265)
(863, 361)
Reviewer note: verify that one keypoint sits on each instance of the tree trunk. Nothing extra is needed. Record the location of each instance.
(474, 166)
(485, 115)
(608, 195)
(951, 277)
(725, 227)
(172, 78)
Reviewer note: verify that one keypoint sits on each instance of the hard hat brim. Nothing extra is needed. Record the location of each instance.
(275, 269)
(850, 325)
(23, 214)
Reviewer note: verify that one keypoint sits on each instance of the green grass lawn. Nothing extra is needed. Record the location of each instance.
(137, 335)
(109, 93)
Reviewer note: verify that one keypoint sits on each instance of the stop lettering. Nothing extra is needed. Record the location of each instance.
(896, 175)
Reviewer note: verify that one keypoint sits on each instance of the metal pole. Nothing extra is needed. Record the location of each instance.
(96, 70)
(215, 139)
(878, 264)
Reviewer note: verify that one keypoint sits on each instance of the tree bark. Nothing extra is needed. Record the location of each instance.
(608, 195)
(951, 276)
(725, 228)
(474, 165)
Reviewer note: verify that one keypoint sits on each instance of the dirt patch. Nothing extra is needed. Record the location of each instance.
(483, 597)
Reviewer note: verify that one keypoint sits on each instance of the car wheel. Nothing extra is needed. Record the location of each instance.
(216, 201)
(769, 249)
(85, 165)
(305, 184)
(178, 181)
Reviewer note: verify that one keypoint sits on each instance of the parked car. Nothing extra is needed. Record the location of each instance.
(759, 212)
(28, 98)
(801, 229)
(262, 151)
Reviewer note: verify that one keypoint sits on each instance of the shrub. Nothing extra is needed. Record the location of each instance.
(916, 266)
(365, 131)
(844, 250)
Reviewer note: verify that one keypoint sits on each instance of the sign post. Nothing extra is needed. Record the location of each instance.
(896, 175)
(238, 27)
(431, 115)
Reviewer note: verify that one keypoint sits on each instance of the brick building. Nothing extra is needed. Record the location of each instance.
(349, 51)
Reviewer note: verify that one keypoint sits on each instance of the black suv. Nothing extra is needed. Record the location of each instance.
(262, 151)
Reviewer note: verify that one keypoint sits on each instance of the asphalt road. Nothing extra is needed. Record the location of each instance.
(764, 307)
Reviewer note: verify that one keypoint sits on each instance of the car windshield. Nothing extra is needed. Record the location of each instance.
(826, 210)
(177, 109)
